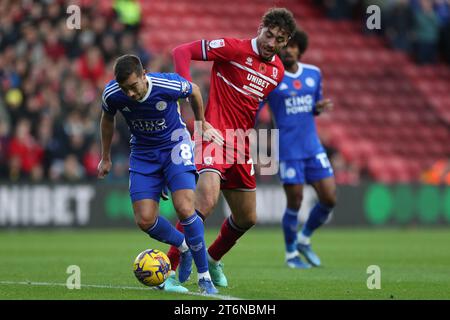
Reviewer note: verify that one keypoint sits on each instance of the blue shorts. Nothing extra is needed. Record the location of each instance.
(308, 170)
(153, 169)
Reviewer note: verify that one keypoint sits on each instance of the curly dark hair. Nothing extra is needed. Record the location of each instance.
(300, 39)
(279, 17)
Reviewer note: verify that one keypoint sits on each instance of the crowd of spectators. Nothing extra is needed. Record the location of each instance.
(419, 27)
(51, 79)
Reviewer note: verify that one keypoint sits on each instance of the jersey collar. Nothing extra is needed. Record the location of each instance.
(255, 49)
(297, 74)
(149, 89)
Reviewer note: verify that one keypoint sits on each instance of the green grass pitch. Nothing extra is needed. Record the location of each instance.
(415, 264)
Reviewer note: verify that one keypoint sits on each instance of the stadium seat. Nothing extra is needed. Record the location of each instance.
(393, 123)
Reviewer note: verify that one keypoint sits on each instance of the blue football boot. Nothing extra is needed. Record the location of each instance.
(185, 269)
(207, 287)
(297, 263)
(310, 256)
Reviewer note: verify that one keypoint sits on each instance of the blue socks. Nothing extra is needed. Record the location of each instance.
(194, 234)
(290, 224)
(319, 214)
(162, 230)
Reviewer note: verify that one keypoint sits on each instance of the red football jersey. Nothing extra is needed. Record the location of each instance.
(240, 80)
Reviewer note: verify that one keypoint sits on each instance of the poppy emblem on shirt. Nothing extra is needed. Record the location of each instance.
(297, 84)
(262, 68)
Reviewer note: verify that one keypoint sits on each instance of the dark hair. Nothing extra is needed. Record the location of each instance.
(279, 17)
(300, 39)
(125, 66)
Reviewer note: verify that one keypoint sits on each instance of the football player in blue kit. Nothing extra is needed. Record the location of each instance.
(294, 104)
(161, 154)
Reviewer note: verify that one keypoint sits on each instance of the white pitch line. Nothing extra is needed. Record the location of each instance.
(100, 286)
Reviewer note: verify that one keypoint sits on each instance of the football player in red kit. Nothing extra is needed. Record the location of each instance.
(243, 74)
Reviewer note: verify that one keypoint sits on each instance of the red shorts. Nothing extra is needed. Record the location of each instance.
(236, 173)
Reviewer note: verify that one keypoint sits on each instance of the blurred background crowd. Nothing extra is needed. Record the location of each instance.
(51, 78)
(419, 27)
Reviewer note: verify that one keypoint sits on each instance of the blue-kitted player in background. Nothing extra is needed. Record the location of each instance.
(294, 103)
(161, 154)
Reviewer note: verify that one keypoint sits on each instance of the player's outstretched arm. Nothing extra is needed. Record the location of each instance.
(208, 132)
(107, 124)
(182, 56)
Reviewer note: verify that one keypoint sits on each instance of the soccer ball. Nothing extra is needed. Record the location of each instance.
(151, 267)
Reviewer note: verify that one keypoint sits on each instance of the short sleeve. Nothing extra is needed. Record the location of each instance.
(173, 85)
(107, 100)
(224, 49)
(319, 87)
(318, 95)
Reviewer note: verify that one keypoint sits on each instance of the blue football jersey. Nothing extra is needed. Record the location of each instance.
(293, 106)
(153, 119)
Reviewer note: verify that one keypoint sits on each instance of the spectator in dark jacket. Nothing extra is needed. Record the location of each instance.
(400, 21)
(442, 8)
(426, 31)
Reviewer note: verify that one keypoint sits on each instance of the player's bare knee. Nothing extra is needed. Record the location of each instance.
(184, 210)
(144, 222)
(295, 202)
(206, 203)
(245, 222)
(183, 202)
(207, 193)
(329, 200)
(251, 221)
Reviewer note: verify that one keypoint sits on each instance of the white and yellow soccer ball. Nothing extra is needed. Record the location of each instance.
(151, 267)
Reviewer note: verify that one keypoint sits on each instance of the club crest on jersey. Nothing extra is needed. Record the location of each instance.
(208, 161)
(274, 73)
(297, 84)
(249, 61)
(161, 105)
(262, 68)
(283, 86)
(310, 82)
(214, 44)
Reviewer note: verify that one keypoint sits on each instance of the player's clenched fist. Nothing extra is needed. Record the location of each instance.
(203, 130)
(212, 134)
(103, 168)
(324, 105)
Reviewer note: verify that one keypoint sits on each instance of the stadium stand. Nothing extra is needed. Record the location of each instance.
(391, 117)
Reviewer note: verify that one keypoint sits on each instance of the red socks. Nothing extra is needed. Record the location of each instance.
(228, 235)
